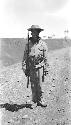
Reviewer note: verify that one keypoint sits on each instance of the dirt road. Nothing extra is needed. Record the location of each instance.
(56, 88)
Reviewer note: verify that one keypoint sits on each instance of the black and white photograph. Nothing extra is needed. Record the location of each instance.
(35, 62)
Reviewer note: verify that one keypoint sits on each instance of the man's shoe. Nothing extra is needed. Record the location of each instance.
(42, 105)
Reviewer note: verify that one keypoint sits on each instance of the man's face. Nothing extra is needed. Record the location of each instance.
(35, 34)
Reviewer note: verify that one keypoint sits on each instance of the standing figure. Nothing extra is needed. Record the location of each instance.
(34, 62)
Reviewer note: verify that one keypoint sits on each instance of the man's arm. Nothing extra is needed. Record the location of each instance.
(25, 58)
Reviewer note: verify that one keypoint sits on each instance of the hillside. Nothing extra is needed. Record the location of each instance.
(54, 44)
(12, 49)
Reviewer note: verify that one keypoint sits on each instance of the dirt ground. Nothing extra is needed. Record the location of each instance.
(56, 93)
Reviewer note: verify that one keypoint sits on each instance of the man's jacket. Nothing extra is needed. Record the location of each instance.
(37, 55)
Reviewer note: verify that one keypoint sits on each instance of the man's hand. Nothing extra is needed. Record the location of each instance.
(23, 66)
(27, 72)
(40, 65)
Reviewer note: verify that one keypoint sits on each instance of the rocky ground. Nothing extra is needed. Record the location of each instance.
(56, 93)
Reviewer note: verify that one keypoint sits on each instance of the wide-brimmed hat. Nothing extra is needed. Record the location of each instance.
(35, 27)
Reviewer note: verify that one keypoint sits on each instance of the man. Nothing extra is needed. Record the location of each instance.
(37, 60)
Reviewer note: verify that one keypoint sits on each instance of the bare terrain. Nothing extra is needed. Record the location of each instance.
(56, 93)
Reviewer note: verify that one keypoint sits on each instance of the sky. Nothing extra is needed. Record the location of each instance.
(16, 16)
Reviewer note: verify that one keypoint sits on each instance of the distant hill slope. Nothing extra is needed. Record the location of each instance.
(54, 44)
(12, 49)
